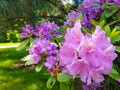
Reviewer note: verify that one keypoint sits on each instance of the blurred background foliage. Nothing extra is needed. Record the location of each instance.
(14, 14)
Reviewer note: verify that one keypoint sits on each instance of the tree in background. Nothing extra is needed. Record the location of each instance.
(14, 14)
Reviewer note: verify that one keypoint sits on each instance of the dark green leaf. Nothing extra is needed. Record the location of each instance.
(108, 14)
(64, 86)
(115, 39)
(118, 16)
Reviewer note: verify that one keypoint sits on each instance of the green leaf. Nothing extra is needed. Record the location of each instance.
(108, 14)
(115, 39)
(102, 23)
(107, 30)
(94, 22)
(22, 44)
(114, 33)
(80, 17)
(114, 74)
(117, 48)
(28, 59)
(64, 77)
(31, 41)
(51, 81)
(64, 86)
(39, 66)
(95, 4)
(29, 62)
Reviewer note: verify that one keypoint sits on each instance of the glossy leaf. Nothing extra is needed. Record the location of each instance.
(114, 33)
(107, 30)
(64, 86)
(118, 48)
(114, 74)
(23, 44)
(51, 81)
(64, 77)
(39, 66)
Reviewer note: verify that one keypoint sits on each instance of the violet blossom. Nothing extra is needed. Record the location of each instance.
(42, 47)
(91, 12)
(52, 64)
(27, 32)
(71, 18)
(47, 30)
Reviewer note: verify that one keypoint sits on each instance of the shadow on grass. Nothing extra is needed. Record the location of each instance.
(12, 53)
(12, 78)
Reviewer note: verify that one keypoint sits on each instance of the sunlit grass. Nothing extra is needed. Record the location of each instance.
(14, 78)
(8, 45)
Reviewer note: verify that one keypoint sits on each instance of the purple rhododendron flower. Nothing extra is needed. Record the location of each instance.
(50, 62)
(93, 12)
(115, 1)
(42, 47)
(47, 30)
(52, 65)
(27, 32)
(93, 57)
(71, 18)
(86, 22)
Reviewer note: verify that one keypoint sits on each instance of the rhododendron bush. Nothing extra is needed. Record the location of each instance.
(85, 47)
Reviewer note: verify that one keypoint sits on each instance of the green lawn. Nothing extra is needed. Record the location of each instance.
(15, 78)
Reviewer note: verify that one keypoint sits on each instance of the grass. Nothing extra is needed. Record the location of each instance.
(13, 78)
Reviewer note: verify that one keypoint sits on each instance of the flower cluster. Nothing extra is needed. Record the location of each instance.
(52, 64)
(89, 55)
(47, 30)
(90, 11)
(79, 53)
(27, 32)
(71, 18)
(40, 48)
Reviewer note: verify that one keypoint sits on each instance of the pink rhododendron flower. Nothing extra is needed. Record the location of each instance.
(74, 36)
(68, 54)
(90, 55)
